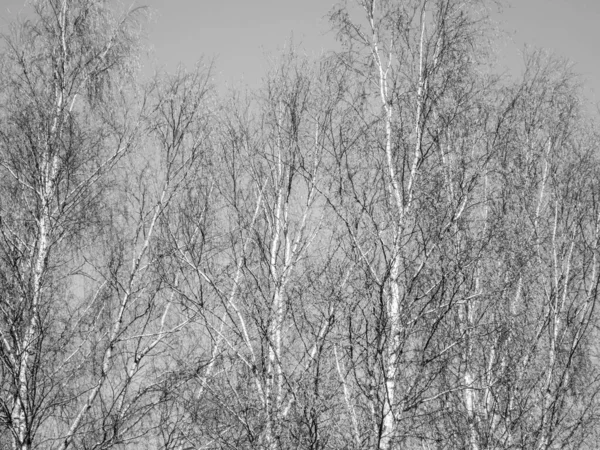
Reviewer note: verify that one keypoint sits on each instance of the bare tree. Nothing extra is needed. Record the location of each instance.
(83, 301)
(388, 247)
(56, 72)
(269, 284)
(404, 192)
(539, 269)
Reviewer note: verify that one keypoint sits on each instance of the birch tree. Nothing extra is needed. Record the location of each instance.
(412, 59)
(272, 278)
(534, 291)
(56, 69)
(83, 301)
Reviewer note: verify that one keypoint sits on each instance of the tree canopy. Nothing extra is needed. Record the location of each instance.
(387, 247)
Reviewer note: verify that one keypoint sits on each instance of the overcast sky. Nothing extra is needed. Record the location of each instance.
(241, 32)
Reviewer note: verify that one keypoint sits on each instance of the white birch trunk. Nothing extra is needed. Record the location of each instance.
(470, 393)
(403, 203)
(49, 169)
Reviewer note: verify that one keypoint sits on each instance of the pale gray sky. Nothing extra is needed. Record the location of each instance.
(241, 32)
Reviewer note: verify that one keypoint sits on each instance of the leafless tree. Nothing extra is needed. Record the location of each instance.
(83, 303)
